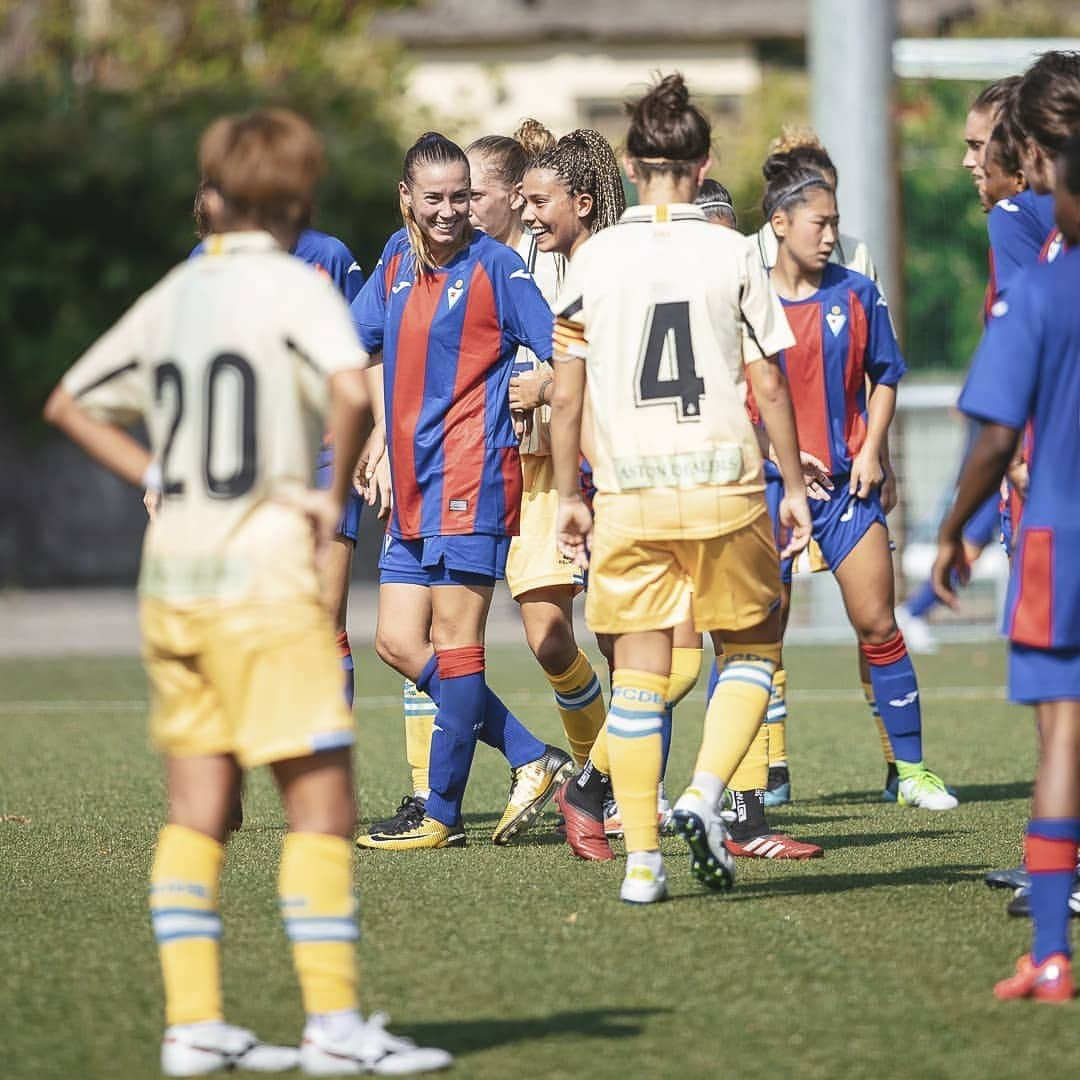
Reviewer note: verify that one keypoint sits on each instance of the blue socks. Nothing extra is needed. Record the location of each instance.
(896, 692)
(1050, 857)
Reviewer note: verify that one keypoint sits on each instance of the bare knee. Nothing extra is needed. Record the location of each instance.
(552, 643)
(876, 628)
(402, 652)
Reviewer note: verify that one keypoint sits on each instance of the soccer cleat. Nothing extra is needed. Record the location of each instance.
(778, 788)
(198, 1049)
(612, 818)
(531, 785)
(408, 815)
(643, 885)
(1020, 905)
(1016, 877)
(1050, 981)
(774, 846)
(705, 833)
(371, 1049)
(926, 791)
(584, 832)
(425, 833)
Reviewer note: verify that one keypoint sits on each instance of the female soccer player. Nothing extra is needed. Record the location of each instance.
(1026, 373)
(844, 338)
(681, 527)
(238, 648)
(715, 202)
(449, 306)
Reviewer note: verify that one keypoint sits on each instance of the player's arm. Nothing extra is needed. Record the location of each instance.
(867, 470)
(106, 442)
(573, 524)
(774, 405)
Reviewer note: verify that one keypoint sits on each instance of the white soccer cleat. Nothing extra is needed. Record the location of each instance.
(198, 1049)
(926, 791)
(370, 1049)
(918, 636)
(643, 884)
(700, 824)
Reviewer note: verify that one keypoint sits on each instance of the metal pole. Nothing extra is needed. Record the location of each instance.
(851, 73)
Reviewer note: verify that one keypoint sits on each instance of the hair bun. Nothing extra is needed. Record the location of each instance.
(534, 137)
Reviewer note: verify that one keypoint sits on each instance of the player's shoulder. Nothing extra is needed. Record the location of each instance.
(494, 254)
(318, 247)
(840, 278)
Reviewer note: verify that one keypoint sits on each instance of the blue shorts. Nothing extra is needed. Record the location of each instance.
(479, 559)
(985, 523)
(838, 525)
(1043, 674)
(349, 524)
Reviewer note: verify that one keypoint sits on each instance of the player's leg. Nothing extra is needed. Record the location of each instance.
(865, 576)
(774, 730)
(892, 777)
(335, 575)
(1050, 853)
(547, 616)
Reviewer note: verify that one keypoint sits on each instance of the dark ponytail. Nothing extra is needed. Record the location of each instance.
(667, 133)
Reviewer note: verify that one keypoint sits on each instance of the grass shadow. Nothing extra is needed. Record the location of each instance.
(484, 1033)
(1002, 792)
(825, 884)
(849, 840)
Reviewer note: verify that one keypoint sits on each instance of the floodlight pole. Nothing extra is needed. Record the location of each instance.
(851, 75)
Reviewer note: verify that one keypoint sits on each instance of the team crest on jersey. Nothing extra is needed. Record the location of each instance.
(836, 320)
(453, 294)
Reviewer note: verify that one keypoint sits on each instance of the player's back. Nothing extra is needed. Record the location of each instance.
(233, 354)
(665, 305)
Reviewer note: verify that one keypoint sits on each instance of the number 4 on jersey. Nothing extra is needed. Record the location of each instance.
(668, 345)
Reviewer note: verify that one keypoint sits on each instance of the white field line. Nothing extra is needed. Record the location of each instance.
(522, 697)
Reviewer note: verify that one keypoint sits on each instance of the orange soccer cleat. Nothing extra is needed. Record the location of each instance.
(1051, 980)
(774, 846)
(584, 832)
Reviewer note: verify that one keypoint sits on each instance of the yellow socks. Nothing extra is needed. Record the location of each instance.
(752, 773)
(634, 723)
(581, 705)
(420, 713)
(737, 708)
(886, 744)
(599, 755)
(184, 908)
(685, 669)
(315, 886)
(776, 719)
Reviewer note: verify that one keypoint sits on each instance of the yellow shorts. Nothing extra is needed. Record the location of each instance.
(259, 681)
(728, 582)
(534, 561)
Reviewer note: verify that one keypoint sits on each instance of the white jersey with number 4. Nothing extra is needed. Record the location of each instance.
(667, 310)
(226, 360)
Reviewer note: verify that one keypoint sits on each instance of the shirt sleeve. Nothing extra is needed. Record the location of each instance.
(1000, 387)
(323, 335)
(569, 336)
(765, 330)
(884, 362)
(526, 316)
(109, 380)
(345, 271)
(368, 307)
(1014, 245)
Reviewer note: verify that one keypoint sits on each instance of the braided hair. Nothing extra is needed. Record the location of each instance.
(585, 164)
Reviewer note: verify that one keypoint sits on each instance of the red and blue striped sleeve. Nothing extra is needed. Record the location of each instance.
(368, 307)
(524, 313)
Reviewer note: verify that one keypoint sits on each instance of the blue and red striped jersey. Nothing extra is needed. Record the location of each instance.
(327, 254)
(1027, 370)
(842, 336)
(449, 340)
(1020, 228)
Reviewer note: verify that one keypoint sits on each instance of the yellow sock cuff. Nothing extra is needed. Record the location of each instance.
(638, 700)
(415, 702)
(184, 908)
(685, 669)
(576, 677)
(315, 886)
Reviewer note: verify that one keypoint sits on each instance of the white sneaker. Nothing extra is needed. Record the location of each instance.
(370, 1049)
(643, 884)
(704, 831)
(918, 636)
(926, 791)
(198, 1049)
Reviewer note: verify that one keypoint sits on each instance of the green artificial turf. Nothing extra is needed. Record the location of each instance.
(876, 960)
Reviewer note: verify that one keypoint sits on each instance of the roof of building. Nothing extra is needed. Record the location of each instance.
(481, 22)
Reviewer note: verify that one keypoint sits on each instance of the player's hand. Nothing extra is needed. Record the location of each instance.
(377, 488)
(951, 568)
(522, 424)
(573, 530)
(525, 390)
(795, 516)
(866, 474)
(1017, 475)
(152, 501)
(816, 476)
(889, 496)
